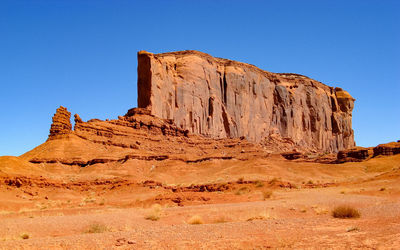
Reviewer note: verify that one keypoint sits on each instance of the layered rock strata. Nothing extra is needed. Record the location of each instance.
(361, 153)
(61, 123)
(132, 137)
(220, 98)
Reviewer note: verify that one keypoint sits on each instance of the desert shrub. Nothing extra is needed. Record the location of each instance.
(24, 236)
(259, 184)
(155, 213)
(382, 189)
(273, 181)
(264, 215)
(242, 190)
(353, 229)
(96, 228)
(195, 220)
(345, 212)
(267, 194)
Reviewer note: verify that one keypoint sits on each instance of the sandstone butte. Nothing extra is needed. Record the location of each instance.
(194, 107)
(221, 98)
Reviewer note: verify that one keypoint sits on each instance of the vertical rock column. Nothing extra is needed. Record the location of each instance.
(61, 123)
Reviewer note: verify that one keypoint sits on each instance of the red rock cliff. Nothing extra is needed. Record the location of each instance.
(221, 98)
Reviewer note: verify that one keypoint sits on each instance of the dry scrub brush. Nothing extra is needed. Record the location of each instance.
(96, 228)
(155, 213)
(196, 220)
(345, 212)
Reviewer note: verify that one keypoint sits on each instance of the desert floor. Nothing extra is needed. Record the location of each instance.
(254, 204)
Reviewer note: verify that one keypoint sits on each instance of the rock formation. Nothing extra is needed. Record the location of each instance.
(354, 154)
(361, 154)
(391, 148)
(220, 98)
(134, 136)
(61, 123)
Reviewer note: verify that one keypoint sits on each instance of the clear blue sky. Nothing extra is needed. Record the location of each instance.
(82, 54)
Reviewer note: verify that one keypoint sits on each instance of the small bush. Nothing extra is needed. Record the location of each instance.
(242, 190)
(155, 213)
(382, 189)
(25, 236)
(96, 228)
(267, 194)
(345, 212)
(196, 220)
(259, 184)
(353, 229)
(273, 181)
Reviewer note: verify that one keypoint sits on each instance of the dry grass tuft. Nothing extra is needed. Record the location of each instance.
(353, 229)
(242, 190)
(96, 228)
(345, 212)
(273, 181)
(259, 184)
(155, 213)
(264, 215)
(24, 236)
(196, 220)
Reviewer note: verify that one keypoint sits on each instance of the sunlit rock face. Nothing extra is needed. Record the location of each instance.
(221, 98)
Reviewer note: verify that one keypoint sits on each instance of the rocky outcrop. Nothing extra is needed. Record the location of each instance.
(360, 154)
(391, 148)
(61, 123)
(221, 98)
(356, 154)
(136, 136)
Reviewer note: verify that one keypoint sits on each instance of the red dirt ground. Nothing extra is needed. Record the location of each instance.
(106, 205)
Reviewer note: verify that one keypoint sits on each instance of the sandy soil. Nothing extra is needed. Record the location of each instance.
(254, 204)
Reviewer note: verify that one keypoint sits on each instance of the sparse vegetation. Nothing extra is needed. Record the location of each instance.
(96, 228)
(89, 200)
(242, 190)
(353, 229)
(345, 212)
(259, 184)
(261, 216)
(273, 181)
(155, 213)
(24, 236)
(267, 194)
(195, 220)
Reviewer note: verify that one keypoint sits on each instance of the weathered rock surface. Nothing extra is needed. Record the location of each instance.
(221, 98)
(360, 153)
(135, 136)
(391, 148)
(61, 123)
(356, 154)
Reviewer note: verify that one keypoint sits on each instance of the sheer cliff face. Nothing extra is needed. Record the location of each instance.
(221, 98)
